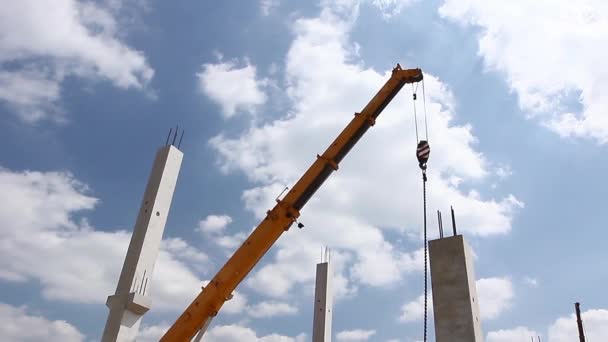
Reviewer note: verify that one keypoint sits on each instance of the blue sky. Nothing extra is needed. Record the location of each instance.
(518, 132)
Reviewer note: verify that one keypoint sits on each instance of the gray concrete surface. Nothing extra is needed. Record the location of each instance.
(131, 299)
(455, 302)
(323, 309)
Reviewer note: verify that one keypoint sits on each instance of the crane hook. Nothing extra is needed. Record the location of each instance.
(423, 150)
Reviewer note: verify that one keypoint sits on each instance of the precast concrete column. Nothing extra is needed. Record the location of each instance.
(321, 328)
(131, 299)
(455, 302)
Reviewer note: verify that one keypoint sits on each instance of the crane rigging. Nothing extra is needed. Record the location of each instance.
(287, 210)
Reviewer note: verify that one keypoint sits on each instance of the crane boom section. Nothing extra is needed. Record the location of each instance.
(285, 212)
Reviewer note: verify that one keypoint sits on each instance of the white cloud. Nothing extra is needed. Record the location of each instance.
(221, 333)
(152, 333)
(236, 305)
(83, 43)
(326, 84)
(532, 282)
(33, 94)
(38, 222)
(276, 279)
(213, 227)
(595, 323)
(230, 242)
(355, 335)
(504, 172)
(414, 310)
(234, 89)
(518, 334)
(557, 62)
(20, 326)
(237, 333)
(267, 6)
(296, 265)
(214, 224)
(390, 8)
(564, 329)
(495, 296)
(269, 309)
(181, 250)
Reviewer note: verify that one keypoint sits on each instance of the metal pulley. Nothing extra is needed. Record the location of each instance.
(423, 150)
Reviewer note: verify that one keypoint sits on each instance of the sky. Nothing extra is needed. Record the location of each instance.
(516, 124)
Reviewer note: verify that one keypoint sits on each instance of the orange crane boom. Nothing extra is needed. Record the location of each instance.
(208, 303)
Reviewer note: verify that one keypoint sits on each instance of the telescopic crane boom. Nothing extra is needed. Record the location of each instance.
(207, 304)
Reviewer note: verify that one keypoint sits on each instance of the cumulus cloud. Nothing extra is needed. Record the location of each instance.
(355, 335)
(230, 242)
(213, 224)
(271, 308)
(390, 8)
(222, 333)
(296, 265)
(267, 6)
(414, 310)
(83, 42)
(152, 333)
(235, 89)
(213, 227)
(495, 296)
(20, 326)
(34, 94)
(561, 330)
(237, 333)
(236, 305)
(595, 323)
(39, 221)
(518, 334)
(326, 84)
(530, 281)
(554, 70)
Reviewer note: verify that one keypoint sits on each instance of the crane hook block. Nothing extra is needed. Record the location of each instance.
(423, 150)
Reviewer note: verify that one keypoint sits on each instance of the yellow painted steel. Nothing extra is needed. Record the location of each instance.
(208, 303)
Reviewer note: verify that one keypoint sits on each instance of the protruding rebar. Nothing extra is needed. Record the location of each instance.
(175, 135)
(180, 138)
(453, 221)
(440, 223)
(168, 136)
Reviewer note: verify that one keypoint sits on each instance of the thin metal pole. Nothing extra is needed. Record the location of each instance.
(453, 221)
(440, 224)
(579, 321)
(168, 136)
(175, 135)
(179, 144)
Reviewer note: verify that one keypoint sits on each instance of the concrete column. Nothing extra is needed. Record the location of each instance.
(131, 299)
(455, 302)
(321, 328)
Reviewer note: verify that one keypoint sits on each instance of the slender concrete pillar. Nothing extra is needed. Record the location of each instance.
(455, 302)
(131, 299)
(321, 328)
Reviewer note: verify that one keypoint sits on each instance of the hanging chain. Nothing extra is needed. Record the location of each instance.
(423, 151)
(426, 294)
